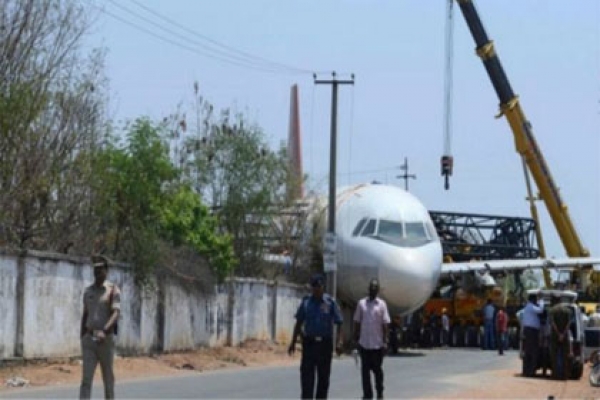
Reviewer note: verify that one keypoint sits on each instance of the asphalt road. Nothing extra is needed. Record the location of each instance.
(412, 374)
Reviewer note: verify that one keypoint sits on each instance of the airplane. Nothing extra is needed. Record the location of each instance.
(385, 232)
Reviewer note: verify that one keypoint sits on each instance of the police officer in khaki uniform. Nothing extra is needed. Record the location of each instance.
(101, 307)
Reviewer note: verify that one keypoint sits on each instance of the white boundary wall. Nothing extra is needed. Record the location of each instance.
(41, 306)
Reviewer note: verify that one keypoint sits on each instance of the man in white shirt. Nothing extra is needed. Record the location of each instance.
(531, 334)
(371, 320)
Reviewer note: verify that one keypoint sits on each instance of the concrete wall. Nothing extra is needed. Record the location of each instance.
(8, 306)
(288, 300)
(41, 306)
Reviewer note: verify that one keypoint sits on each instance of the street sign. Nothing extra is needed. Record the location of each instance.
(329, 250)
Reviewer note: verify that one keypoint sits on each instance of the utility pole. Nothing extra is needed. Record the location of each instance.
(406, 176)
(329, 258)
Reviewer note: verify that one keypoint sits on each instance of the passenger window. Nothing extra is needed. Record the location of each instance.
(359, 226)
(369, 228)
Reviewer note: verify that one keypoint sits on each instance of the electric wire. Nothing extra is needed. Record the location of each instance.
(194, 50)
(212, 53)
(231, 49)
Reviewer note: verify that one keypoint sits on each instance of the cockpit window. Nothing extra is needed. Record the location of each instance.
(369, 228)
(404, 234)
(431, 231)
(415, 230)
(390, 229)
(359, 226)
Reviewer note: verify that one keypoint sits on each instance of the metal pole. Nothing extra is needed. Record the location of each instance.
(334, 82)
(406, 176)
(332, 181)
(332, 278)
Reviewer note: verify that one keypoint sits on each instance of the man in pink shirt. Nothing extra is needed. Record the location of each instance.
(501, 329)
(371, 320)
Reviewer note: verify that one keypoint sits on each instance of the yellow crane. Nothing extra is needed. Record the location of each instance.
(526, 144)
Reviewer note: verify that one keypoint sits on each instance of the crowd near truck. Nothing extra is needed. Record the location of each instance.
(576, 337)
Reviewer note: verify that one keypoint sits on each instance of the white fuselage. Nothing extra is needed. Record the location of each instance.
(386, 233)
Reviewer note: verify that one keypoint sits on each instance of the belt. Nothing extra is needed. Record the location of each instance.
(531, 327)
(91, 331)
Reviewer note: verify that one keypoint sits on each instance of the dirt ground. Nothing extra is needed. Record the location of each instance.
(509, 384)
(59, 372)
(502, 384)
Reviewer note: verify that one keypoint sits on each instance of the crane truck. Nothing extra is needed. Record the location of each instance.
(465, 308)
(527, 146)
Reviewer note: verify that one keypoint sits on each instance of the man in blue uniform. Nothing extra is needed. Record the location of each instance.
(318, 314)
(531, 334)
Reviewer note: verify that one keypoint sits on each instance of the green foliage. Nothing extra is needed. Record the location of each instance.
(68, 185)
(49, 115)
(130, 183)
(186, 221)
(143, 202)
(243, 179)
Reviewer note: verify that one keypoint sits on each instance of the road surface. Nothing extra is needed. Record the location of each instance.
(412, 374)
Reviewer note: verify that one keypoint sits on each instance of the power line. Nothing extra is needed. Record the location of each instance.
(218, 44)
(216, 54)
(186, 47)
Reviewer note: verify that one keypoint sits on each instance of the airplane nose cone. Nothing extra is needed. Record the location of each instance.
(409, 276)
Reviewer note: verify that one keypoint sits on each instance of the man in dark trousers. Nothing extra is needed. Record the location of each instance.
(101, 307)
(489, 341)
(318, 314)
(531, 332)
(371, 320)
(560, 319)
(501, 329)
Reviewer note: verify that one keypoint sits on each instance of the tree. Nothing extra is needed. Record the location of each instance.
(147, 210)
(185, 221)
(50, 115)
(229, 163)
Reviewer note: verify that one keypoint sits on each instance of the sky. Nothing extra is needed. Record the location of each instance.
(550, 51)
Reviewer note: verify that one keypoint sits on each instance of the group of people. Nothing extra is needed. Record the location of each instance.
(421, 330)
(545, 334)
(495, 327)
(546, 337)
(317, 315)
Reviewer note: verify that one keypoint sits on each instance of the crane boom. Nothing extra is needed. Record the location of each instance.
(525, 142)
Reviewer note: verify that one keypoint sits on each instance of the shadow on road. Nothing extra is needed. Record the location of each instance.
(407, 354)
